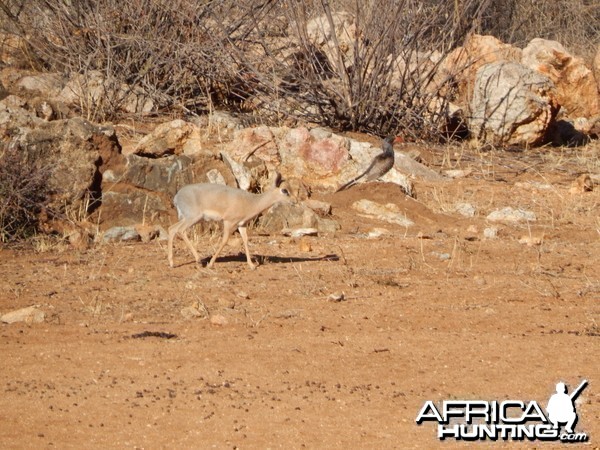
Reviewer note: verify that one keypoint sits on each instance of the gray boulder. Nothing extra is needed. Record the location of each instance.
(511, 105)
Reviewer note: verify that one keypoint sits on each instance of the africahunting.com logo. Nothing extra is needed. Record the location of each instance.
(472, 420)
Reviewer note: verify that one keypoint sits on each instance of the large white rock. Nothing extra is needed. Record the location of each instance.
(511, 104)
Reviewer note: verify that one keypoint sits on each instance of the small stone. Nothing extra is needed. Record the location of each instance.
(321, 208)
(218, 320)
(215, 177)
(490, 233)
(458, 173)
(582, 184)
(147, 232)
(509, 214)
(29, 315)
(299, 232)
(226, 303)
(304, 246)
(191, 312)
(442, 256)
(465, 209)
(389, 212)
(377, 233)
(336, 297)
(531, 241)
(479, 281)
(80, 240)
(124, 234)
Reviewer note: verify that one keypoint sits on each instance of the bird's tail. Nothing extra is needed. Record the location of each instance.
(352, 182)
(347, 185)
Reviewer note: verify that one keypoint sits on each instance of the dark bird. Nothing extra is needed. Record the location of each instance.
(380, 165)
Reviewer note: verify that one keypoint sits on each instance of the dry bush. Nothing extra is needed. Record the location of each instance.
(188, 55)
(162, 50)
(24, 193)
(259, 55)
(374, 72)
(573, 23)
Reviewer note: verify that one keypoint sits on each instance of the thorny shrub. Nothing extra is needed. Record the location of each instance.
(24, 193)
(257, 56)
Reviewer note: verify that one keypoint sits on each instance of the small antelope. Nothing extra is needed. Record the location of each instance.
(234, 207)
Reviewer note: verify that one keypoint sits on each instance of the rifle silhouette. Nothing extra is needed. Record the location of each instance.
(577, 391)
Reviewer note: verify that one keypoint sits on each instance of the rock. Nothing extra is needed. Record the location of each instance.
(242, 294)
(336, 297)
(259, 142)
(415, 70)
(242, 175)
(215, 177)
(327, 226)
(122, 234)
(224, 120)
(79, 239)
(321, 208)
(76, 151)
(463, 63)
(131, 206)
(531, 241)
(582, 184)
(509, 214)
(165, 175)
(309, 158)
(465, 209)
(291, 216)
(172, 138)
(409, 166)
(458, 173)
(299, 232)
(317, 158)
(288, 215)
(92, 89)
(29, 315)
(490, 233)
(15, 51)
(576, 88)
(511, 105)
(441, 256)
(304, 245)
(388, 213)
(192, 312)
(48, 85)
(342, 36)
(218, 320)
(147, 232)
(377, 233)
(43, 109)
(402, 180)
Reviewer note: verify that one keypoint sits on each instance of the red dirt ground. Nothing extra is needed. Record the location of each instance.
(431, 312)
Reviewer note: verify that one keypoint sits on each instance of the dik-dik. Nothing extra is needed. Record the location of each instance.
(235, 207)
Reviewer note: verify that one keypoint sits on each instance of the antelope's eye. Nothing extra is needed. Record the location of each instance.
(285, 192)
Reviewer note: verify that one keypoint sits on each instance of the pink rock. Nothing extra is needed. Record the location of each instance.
(576, 87)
